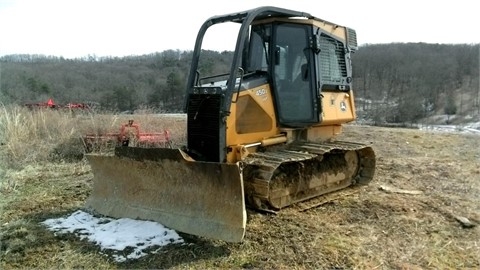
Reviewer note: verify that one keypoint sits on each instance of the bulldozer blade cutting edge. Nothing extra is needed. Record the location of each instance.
(164, 185)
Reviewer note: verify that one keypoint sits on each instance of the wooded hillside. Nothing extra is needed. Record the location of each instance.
(407, 82)
(398, 82)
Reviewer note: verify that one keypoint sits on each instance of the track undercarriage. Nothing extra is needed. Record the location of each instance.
(277, 178)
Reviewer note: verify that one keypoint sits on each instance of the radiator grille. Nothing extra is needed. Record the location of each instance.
(352, 39)
(203, 126)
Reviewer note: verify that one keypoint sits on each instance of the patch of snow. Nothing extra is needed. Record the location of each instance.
(116, 235)
(475, 125)
(471, 128)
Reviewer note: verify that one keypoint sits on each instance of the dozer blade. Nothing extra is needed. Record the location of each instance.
(165, 185)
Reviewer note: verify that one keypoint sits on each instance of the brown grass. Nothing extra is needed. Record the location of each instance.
(366, 228)
(39, 136)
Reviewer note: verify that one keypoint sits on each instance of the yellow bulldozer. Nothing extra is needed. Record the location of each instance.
(260, 136)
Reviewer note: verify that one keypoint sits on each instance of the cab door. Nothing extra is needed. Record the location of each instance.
(294, 76)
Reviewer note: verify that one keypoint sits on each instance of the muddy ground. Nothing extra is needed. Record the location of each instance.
(421, 211)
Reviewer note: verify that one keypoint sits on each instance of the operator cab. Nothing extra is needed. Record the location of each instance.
(303, 60)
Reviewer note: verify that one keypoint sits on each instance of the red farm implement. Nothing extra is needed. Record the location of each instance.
(128, 135)
(50, 104)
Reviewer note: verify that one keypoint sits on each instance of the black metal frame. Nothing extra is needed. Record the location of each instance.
(245, 18)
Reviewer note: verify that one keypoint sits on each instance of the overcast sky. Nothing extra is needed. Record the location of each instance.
(77, 28)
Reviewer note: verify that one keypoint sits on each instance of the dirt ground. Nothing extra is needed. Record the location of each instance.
(421, 211)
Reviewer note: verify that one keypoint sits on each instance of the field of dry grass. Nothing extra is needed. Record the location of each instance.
(417, 225)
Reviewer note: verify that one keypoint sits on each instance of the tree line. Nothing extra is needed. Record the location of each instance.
(407, 82)
(398, 82)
